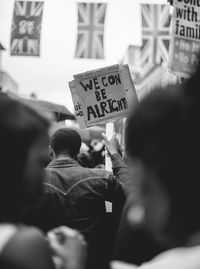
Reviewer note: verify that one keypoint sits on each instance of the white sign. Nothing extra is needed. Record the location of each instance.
(185, 44)
(101, 95)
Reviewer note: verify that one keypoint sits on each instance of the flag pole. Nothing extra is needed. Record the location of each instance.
(108, 163)
(109, 134)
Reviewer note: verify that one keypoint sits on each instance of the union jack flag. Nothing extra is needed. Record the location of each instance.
(155, 35)
(26, 28)
(90, 40)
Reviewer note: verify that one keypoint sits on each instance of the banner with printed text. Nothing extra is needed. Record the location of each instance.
(185, 43)
(102, 95)
(26, 28)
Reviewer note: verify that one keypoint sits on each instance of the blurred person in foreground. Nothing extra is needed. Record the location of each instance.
(24, 150)
(162, 141)
(75, 196)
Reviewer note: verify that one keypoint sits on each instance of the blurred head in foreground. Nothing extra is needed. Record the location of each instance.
(23, 152)
(162, 141)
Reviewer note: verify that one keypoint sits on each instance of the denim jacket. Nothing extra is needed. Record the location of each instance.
(78, 194)
(75, 196)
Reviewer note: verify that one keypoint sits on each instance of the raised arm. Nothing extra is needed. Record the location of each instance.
(119, 167)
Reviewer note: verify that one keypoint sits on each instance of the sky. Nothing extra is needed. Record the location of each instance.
(48, 75)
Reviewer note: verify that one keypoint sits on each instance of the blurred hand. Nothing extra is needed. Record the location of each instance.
(111, 145)
(69, 248)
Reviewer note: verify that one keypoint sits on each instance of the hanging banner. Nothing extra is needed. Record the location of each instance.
(185, 44)
(26, 28)
(90, 38)
(155, 35)
(102, 95)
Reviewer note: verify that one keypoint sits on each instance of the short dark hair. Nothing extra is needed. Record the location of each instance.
(153, 128)
(66, 140)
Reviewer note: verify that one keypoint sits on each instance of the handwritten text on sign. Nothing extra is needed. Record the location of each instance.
(102, 95)
(102, 88)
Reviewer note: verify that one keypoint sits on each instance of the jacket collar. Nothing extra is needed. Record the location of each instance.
(67, 162)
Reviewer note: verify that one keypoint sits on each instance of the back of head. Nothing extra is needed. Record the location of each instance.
(153, 128)
(20, 127)
(191, 86)
(160, 133)
(66, 141)
(191, 92)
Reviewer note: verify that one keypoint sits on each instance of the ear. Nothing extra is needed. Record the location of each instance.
(137, 172)
(137, 169)
(51, 153)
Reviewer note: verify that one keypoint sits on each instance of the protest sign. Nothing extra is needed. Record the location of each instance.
(77, 105)
(101, 95)
(185, 44)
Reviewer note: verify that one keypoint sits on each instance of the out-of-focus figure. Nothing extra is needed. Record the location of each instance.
(162, 141)
(75, 196)
(23, 154)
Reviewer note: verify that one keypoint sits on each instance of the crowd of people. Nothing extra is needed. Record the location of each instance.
(55, 214)
(92, 154)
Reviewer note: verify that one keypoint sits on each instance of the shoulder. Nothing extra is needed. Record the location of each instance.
(176, 258)
(29, 249)
(100, 178)
(99, 172)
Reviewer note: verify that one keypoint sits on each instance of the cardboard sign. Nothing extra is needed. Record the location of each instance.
(77, 105)
(101, 95)
(185, 44)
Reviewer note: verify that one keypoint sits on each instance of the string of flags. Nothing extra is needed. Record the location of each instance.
(27, 22)
(176, 42)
